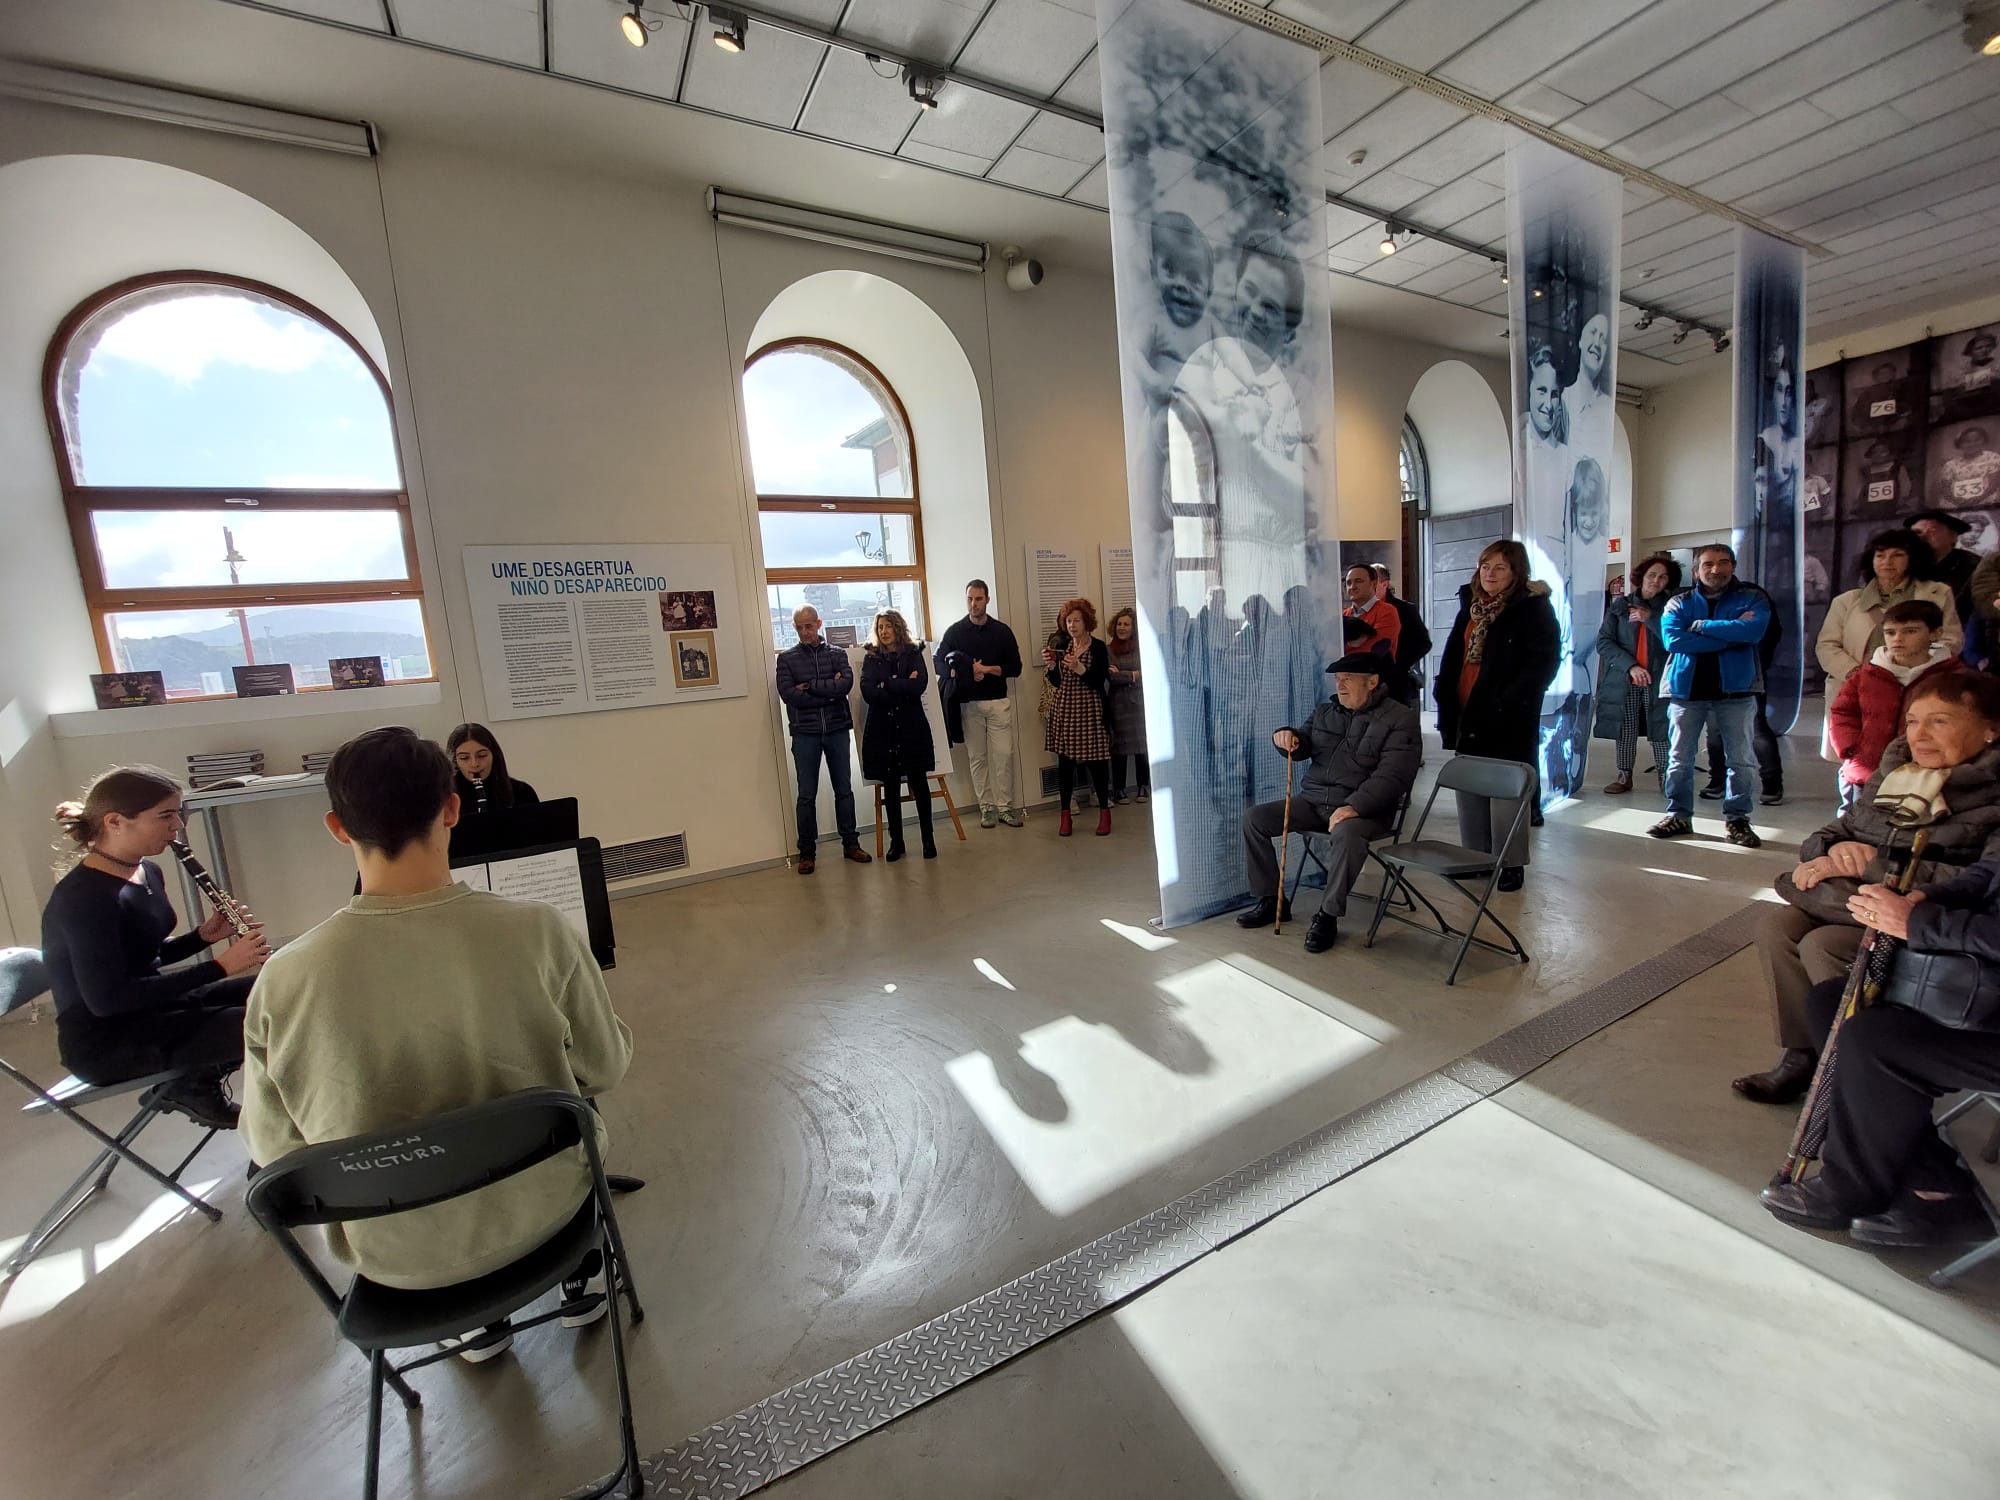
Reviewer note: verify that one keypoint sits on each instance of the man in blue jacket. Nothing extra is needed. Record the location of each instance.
(815, 680)
(1714, 674)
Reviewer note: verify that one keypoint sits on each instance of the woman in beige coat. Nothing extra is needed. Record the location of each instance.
(1893, 569)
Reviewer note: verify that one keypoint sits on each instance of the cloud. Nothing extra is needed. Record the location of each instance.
(183, 337)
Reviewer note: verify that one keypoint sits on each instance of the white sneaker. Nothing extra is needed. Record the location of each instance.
(575, 1291)
(479, 1355)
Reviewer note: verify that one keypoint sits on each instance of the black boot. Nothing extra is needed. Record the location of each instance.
(1784, 1084)
(202, 1100)
(1262, 914)
(895, 849)
(930, 840)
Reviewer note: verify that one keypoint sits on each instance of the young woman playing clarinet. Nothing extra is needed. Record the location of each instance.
(479, 772)
(105, 937)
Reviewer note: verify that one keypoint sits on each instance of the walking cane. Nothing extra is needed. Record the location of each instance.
(1284, 842)
(1809, 1137)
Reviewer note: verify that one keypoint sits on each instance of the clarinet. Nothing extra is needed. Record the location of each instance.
(220, 899)
(478, 795)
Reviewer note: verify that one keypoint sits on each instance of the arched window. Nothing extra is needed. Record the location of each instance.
(1414, 470)
(1191, 502)
(837, 501)
(228, 461)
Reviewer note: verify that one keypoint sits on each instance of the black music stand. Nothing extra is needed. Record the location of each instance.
(596, 897)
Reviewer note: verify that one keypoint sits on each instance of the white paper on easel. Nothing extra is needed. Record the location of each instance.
(474, 876)
(554, 878)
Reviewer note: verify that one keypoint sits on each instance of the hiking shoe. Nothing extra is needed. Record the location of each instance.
(1739, 831)
(1671, 827)
(202, 1100)
(1013, 817)
(989, 818)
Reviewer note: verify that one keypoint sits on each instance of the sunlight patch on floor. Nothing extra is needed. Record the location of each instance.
(62, 1270)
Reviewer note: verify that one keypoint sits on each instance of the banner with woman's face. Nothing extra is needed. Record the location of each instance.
(1563, 237)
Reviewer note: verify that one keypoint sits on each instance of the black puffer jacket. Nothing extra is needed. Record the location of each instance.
(1365, 758)
(896, 739)
(1967, 833)
(1503, 717)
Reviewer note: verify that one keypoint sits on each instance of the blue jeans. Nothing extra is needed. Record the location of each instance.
(806, 752)
(1733, 718)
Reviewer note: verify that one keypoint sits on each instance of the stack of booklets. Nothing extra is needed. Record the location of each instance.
(224, 765)
(315, 762)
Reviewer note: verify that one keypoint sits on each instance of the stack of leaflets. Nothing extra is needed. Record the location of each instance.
(217, 766)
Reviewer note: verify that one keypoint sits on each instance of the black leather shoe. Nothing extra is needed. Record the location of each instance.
(895, 851)
(1915, 1223)
(1784, 1084)
(1321, 934)
(1805, 1205)
(1263, 914)
(623, 1182)
(1512, 877)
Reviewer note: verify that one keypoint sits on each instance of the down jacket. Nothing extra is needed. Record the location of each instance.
(1365, 758)
(1732, 624)
(1868, 714)
(1967, 833)
(896, 736)
(1618, 654)
(1503, 718)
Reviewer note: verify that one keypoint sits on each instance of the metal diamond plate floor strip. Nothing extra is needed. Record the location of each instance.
(809, 1420)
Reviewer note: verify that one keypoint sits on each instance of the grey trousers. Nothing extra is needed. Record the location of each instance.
(1799, 951)
(1345, 850)
(1483, 823)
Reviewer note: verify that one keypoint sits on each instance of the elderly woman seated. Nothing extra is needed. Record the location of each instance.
(1886, 1176)
(1949, 727)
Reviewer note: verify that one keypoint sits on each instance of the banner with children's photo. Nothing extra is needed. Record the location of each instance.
(1770, 450)
(1218, 237)
(1564, 223)
(1890, 435)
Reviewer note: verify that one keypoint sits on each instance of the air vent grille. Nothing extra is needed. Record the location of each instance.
(646, 857)
(1050, 786)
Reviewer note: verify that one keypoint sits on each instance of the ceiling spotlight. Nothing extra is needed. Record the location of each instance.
(1645, 321)
(923, 88)
(1538, 291)
(1681, 333)
(1389, 237)
(1982, 29)
(732, 28)
(1721, 341)
(633, 24)
(1503, 268)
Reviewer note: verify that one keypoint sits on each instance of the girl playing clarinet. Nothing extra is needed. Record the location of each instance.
(479, 772)
(105, 938)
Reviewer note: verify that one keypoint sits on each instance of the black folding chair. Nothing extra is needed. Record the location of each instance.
(1475, 775)
(429, 1162)
(22, 978)
(1945, 1275)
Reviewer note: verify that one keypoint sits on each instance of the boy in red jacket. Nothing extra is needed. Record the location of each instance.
(1868, 711)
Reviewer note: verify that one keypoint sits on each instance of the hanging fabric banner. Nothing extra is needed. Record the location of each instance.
(1218, 237)
(1770, 452)
(1563, 238)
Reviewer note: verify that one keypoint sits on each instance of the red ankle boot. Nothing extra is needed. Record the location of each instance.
(1103, 821)
(1064, 829)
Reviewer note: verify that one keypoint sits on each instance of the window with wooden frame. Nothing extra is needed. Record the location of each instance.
(235, 494)
(837, 501)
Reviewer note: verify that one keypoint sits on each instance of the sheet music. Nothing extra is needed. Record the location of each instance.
(474, 876)
(555, 878)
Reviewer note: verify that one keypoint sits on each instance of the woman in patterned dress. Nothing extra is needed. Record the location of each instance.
(1078, 667)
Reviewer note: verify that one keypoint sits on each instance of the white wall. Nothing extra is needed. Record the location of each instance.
(565, 350)
(1463, 423)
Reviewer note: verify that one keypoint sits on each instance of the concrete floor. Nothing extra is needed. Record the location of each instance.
(863, 1098)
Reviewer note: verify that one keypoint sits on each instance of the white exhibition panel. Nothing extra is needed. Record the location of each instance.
(583, 629)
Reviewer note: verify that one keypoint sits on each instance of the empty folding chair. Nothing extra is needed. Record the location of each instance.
(1945, 1275)
(1500, 780)
(22, 978)
(429, 1162)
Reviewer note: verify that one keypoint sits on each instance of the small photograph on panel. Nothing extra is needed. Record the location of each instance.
(1820, 417)
(1881, 480)
(1964, 467)
(694, 658)
(1965, 381)
(1822, 484)
(688, 609)
(1882, 392)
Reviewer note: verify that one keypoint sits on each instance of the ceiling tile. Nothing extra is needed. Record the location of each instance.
(969, 121)
(1682, 130)
(1486, 227)
(1785, 126)
(766, 82)
(817, 12)
(1444, 208)
(1036, 171)
(1423, 33)
(1388, 190)
(509, 30)
(1029, 44)
(851, 102)
(930, 30)
(1446, 158)
(1095, 187)
(1343, 223)
(1346, 19)
(1626, 53)
(1767, 34)
(1398, 127)
(1968, 86)
(1542, 104)
(950, 161)
(1824, 144)
(1831, 58)
(1641, 223)
(1085, 89)
(1614, 117)
(1455, 276)
(1057, 135)
(1920, 154)
(1525, 43)
(1348, 93)
(353, 12)
(585, 42)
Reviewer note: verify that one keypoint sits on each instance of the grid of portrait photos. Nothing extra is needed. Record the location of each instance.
(1892, 433)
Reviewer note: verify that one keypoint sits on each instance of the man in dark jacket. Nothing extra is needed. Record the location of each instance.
(1364, 749)
(815, 680)
(979, 657)
(1414, 643)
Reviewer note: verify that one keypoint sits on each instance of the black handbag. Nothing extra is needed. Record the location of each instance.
(1952, 989)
